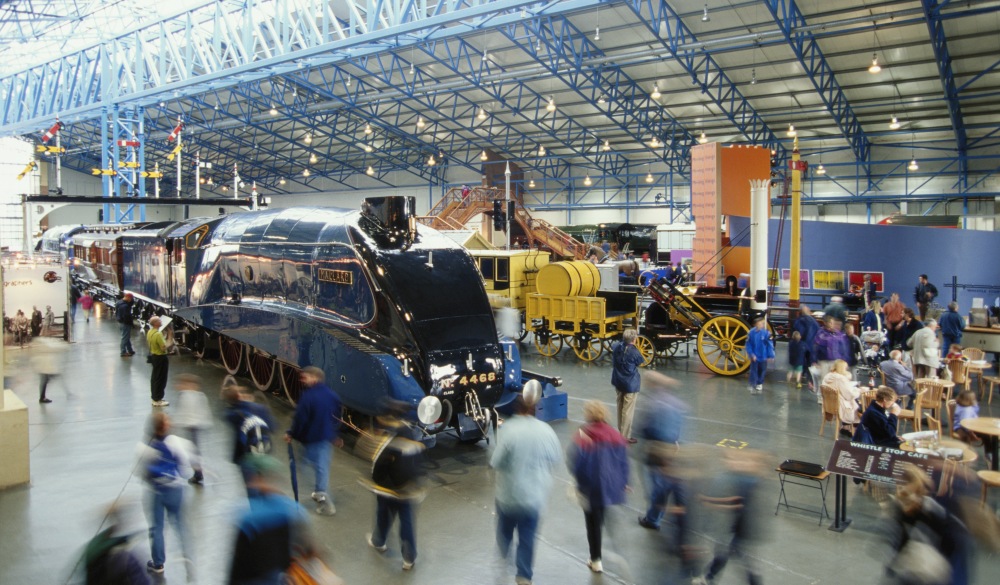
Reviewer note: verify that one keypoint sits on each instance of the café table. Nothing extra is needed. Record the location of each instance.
(988, 428)
(968, 454)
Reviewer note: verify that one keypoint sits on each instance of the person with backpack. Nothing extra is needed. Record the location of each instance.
(315, 425)
(123, 314)
(166, 461)
(251, 423)
(396, 480)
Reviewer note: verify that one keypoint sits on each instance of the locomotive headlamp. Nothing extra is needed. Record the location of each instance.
(429, 410)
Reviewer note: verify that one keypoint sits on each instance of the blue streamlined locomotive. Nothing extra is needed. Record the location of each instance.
(387, 310)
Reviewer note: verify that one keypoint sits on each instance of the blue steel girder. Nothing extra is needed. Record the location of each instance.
(466, 61)
(939, 41)
(657, 15)
(788, 17)
(219, 45)
(554, 42)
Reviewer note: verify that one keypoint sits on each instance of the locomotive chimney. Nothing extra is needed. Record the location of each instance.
(390, 220)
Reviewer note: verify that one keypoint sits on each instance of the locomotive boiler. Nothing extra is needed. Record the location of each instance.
(387, 308)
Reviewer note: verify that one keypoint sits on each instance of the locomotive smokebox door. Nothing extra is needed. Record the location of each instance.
(390, 220)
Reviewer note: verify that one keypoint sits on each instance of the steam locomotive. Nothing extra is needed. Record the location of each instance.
(387, 308)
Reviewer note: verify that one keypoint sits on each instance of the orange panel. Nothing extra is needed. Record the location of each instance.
(705, 180)
(736, 261)
(739, 165)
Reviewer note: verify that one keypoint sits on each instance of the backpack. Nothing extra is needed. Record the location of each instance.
(255, 435)
(165, 467)
(862, 435)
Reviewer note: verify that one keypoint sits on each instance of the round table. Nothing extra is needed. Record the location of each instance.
(968, 454)
(989, 429)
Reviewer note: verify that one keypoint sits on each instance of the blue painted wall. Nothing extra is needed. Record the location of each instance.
(900, 252)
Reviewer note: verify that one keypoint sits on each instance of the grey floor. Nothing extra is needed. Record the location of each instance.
(83, 459)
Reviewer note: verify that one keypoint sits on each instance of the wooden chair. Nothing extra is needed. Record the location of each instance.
(992, 382)
(934, 424)
(951, 420)
(932, 398)
(867, 397)
(989, 479)
(913, 415)
(959, 372)
(881, 373)
(831, 408)
(974, 354)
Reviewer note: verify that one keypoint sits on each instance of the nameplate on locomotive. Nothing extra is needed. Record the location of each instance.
(336, 276)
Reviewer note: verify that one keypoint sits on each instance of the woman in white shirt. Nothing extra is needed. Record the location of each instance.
(839, 378)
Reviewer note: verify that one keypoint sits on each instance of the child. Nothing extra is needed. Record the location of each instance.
(796, 355)
(87, 302)
(192, 415)
(760, 348)
(954, 352)
(966, 407)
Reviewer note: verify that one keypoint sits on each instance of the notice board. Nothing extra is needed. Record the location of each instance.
(876, 463)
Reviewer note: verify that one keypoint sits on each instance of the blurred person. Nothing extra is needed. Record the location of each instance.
(829, 345)
(397, 480)
(836, 309)
(166, 459)
(857, 348)
(87, 302)
(109, 558)
(881, 419)
(924, 294)
(910, 326)
(626, 360)
(160, 362)
(952, 325)
(898, 375)
(807, 327)
(47, 359)
(598, 461)
(22, 327)
(193, 416)
(966, 407)
(839, 378)
(50, 320)
(931, 545)
(661, 426)
(893, 313)
(252, 425)
(760, 349)
(36, 322)
(527, 450)
(316, 426)
(926, 356)
(123, 314)
(742, 481)
(796, 356)
(74, 299)
(270, 531)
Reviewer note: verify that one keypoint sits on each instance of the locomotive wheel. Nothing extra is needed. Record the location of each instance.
(646, 348)
(261, 368)
(547, 343)
(290, 382)
(232, 354)
(722, 345)
(671, 349)
(197, 342)
(587, 347)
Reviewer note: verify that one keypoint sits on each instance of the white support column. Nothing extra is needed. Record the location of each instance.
(759, 201)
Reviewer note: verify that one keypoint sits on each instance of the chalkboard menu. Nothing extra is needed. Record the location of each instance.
(876, 463)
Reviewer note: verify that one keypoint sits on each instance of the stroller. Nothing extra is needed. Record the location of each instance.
(874, 352)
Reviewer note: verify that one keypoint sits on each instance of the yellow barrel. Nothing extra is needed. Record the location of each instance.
(576, 278)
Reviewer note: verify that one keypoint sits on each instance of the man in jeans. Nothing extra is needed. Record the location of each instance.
(527, 451)
(123, 314)
(316, 424)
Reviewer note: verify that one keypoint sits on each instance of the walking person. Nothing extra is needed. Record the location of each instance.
(526, 453)
(316, 425)
(952, 324)
(46, 354)
(123, 314)
(661, 428)
(760, 348)
(193, 416)
(598, 460)
(397, 481)
(807, 326)
(926, 355)
(158, 359)
(252, 425)
(924, 294)
(166, 460)
(87, 302)
(625, 378)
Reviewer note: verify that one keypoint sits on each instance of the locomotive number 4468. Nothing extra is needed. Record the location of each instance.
(470, 380)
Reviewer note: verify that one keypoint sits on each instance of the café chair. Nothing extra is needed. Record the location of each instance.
(974, 354)
(932, 397)
(951, 420)
(866, 398)
(831, 408)
(959, 372)
(914, 415)
(934, 424)
(992, 382)
(989, 479)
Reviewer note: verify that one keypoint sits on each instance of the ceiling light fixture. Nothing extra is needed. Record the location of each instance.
(597, 33)
(552, 105)
(280, 181)
(791, 133)
(649, 177)
(913, 166)
(274, 111)
(753, 76)
(482, 113)
(420, 122)
(484, 157)
(431, 162)
(368, 148)
(368, 128)
(412, 71)
(531, 183)
(348, 81)
(587, 182)
(656, 91)
(541, 150)
(370, 171)
(704, 15)
(821, 170)
(308, 139)
(894, 124)
(655, 143)
(305, 173)
(702, 139)
(874, 67)
(607, 146)
(313, 159)
(601, 99)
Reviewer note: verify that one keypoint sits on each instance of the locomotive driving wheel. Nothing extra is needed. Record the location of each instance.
(722, 345)
(232, 354)
(261, 368)
(646, 348)
(547, 343)
(290, 382)
(587, 347)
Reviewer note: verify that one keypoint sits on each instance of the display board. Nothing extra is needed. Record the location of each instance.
(857, 279)
(828, 280)
(874, 462)
(27, 287)
(786, 274)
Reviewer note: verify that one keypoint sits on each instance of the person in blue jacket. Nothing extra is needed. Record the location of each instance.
(316, 425)
(807, 326)
(626, 359)
(760, 349)
(951, 325)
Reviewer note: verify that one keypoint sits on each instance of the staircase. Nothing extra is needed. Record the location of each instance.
(452, 213)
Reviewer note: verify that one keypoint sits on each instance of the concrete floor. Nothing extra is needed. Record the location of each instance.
(82, 459)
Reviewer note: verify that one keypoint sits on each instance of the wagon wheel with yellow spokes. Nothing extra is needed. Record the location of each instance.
(646, 348)
(587, 347)
(722, 345)
(547, 343)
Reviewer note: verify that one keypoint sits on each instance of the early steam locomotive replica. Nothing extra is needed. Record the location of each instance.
(387, 308)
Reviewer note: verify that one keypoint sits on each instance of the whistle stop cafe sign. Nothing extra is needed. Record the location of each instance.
(876, 463)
